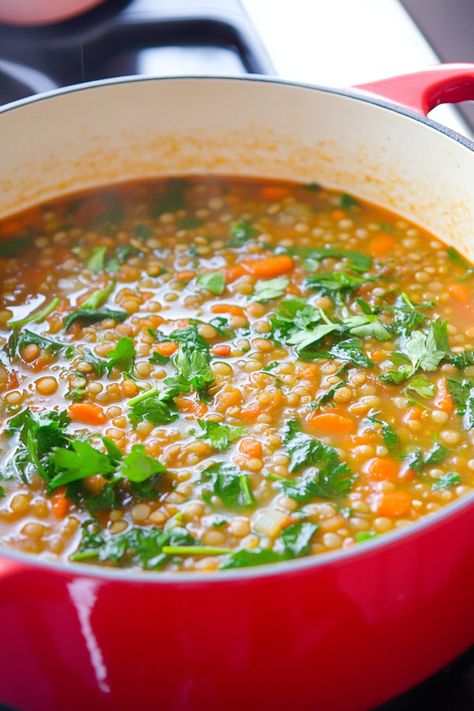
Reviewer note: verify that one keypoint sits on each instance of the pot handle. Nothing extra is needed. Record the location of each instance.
(422, 91)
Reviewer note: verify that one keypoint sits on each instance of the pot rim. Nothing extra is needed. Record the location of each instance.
(368, 548)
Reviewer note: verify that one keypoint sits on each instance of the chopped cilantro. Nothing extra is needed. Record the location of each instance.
(229, 484)
(389, 435)
(458, 259)
(446, 481)
(137, 466)
(241, 232)
(122, 356)
(363, 536)
(462, 392)
(96, 261)
(420, 350)
(312, 187)
(19, 340)
(348, 201)
(268, 289)
(156, 407)
(220, 436)
(212, 281)
(327, 396)
(420, 385)
(416, 459)
(336, 283)
(79, 462)
(93, 315)
(357, 260)
(368, 325)
(327, 477)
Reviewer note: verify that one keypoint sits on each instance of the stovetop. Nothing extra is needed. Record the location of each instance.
(124, 37)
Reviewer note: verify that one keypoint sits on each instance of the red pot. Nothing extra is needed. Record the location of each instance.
(343, 631)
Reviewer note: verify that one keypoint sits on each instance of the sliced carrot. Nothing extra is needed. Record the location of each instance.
(269, 267)
(228, 309)
(252, 448)
(380, 244)
(185, 276)
(395, 504)
(460, 293)
(198, 409)
(274, 192)
(331, 423)
(413, 413)
(367, 437)
(234, 273)
(220, 350)
(251, 412)
(338, 214)
(167, 348)
(88, 413)
(443, 400)
(382, 469)
(60, 503)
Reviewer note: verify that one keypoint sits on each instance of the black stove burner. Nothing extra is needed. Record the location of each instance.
(125, 37)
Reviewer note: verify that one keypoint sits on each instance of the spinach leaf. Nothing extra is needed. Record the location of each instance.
(93, 315)
(96, 261)
(19, 340)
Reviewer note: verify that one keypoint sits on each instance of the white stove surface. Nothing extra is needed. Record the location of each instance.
(344, 42)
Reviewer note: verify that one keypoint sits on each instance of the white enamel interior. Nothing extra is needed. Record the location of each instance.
(139, 128)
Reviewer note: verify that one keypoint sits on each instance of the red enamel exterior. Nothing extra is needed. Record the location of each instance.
(338, 633)
(422, 91)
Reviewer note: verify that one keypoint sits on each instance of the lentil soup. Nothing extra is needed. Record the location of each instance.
(211, 373)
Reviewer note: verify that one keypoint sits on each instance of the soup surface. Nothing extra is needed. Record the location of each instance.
(202, 374)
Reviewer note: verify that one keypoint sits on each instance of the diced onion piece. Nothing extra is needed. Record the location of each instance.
(269, 522)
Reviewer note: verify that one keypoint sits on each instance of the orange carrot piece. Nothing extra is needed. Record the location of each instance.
(60, 503)
(228, 309)
(220, 350)
(198, 409)
(185, 276)
(234, 273)
(251, 412)
(88, 413)
(443, 400)
(460, 293)
(413, 413)
(338, 214)
(270, 267)
(167, 348)
(394, 504)
(382, 469)
(380, 244)
(274, 192)
(251, 448)
(331, 423)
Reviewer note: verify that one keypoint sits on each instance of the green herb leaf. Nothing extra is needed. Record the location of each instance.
(241, 232)
(462, 393)
(93, 315)
(122, 356)
(229, 484)
(37, 316)
(220, 436)
(336, 283)
(212, 281)
(19, 340)
(357, 260)
(363, 536)
(79, 462)
(11, 248)
(446, 481)
(389, 435)
(352, 351)
(328, 477)
(295, 540)
(172, 199)
(348, 201)
(98, 297)
(96, 262)
(420, 385)
(137, 466)
(156, 407)
(458, 259)
(245, 558)
(367, 325)
(268, 289)
(327, 396)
